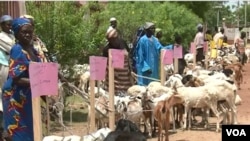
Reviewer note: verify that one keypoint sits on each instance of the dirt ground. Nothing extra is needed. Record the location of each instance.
(195, 134)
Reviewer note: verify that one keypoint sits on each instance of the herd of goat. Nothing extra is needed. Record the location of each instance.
(198, 89)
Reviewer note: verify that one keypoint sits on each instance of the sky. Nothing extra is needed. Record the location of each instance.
(233, 2)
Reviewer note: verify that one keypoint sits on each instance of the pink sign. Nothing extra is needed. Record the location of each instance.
(98, 67)
(178, 52)
(168, 57)
(117, 58)
(192, 47)
(205, 46)
(43, 79)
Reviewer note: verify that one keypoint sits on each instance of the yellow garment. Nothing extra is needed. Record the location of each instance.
(208, 37)
(212, 45)
(213, 53)
(213, 50)
(220, 42)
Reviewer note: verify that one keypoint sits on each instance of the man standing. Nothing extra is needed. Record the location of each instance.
(217, 37)
(148, 55)
(7, 40)
(199, 41)
(113, 24)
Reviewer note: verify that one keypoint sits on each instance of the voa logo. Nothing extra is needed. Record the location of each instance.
(236, 132)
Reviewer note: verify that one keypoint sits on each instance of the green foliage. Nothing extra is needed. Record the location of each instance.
(197, 7)
(78, 32)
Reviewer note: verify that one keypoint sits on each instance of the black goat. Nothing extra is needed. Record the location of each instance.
(125, 130)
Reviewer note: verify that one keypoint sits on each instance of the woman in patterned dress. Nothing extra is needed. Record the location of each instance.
(17, 102)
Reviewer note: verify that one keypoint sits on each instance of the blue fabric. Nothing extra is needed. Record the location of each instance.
(4, 58)
(18, 23)
(147, 58)
(168, 47)
(17, 104)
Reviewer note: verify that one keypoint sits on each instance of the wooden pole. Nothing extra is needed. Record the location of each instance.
(194, 56)
(111, 94)
(176, 65)
(47, 115)
(163, 74)
(92, 106)
(206, 56)
(37, 121)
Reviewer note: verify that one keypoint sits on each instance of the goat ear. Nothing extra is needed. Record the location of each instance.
(139, 97)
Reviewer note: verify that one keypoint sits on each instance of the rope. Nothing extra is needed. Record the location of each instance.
(150, 78)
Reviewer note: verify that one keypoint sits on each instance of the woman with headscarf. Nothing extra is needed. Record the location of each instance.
(37, 42)
(122, 77)
(17, 100)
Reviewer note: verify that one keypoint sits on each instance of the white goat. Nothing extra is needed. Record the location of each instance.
(99, 135)
(205, 97)
(59, 138)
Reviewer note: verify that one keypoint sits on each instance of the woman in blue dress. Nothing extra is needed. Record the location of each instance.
(17, 104)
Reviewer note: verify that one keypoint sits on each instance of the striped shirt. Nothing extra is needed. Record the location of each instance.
(122, 77)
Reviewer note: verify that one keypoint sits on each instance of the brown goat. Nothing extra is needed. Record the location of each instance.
(237, 68)
(162, 114)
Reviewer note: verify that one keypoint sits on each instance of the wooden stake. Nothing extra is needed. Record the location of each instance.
(163, 74)
(37, 121)
(111, 94)
(206, 56)
(48, 115)
(194, 57)
(176, 65)
(92, 106)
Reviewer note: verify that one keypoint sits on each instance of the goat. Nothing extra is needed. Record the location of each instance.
(99, 135)
(206, 97)
(123, 127)
(162, 114)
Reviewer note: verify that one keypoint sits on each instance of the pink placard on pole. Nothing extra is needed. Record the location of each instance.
(168, 57)
(117, 58)
(192, 47)
(98, 67)
(205, 46)
(43, 79)
(178, 52)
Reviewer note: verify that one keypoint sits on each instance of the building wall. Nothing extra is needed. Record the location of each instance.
(12, 8)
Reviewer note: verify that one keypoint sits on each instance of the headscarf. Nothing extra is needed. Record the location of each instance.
(148, 25)
(112, 34)
(27, 17)
(157, 30)
(18, 23)
(5, 18)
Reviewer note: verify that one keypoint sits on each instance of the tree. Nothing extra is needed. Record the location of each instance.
(79, 31)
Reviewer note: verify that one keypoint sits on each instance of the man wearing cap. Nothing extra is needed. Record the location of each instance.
(113, 24)
(7, 40)
(199, 41)
(147, 56)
